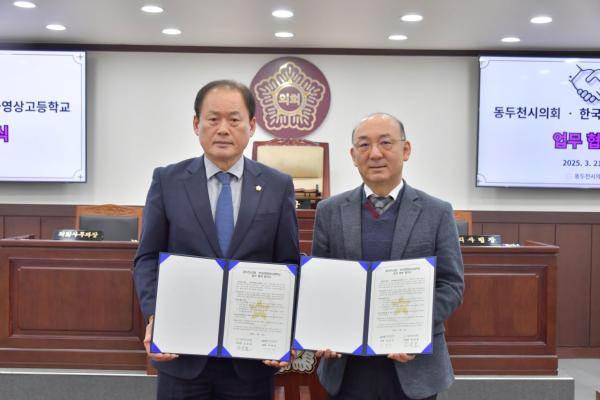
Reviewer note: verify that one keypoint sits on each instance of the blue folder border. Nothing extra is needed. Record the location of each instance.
(364, 349)
(226, 265)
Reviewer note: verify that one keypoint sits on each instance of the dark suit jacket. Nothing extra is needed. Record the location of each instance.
(178, 219)
(425, 227)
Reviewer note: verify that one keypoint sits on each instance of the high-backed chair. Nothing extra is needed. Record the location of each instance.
(307, 162)
(119, 223)
(464, 222)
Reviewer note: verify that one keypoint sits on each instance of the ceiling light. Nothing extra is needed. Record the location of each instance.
(397, 37)
(152, 9)
(412, 18)
(56, 27)
(24, 4)
(284, 34)
(511, 39)
(171, 31)
(282, 14)
(542, 19)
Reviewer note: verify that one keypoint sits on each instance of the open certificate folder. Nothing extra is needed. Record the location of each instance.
(365, 308)
(224, 308)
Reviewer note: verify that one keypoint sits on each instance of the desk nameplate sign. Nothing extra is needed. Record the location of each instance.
(480, 240)
(77, 234)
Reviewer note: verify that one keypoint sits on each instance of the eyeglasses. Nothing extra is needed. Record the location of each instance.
(363, 146)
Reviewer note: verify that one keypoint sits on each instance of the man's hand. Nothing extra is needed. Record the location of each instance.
(326, 353)
(401, 357)
(148, 339)
(275, 363)
(281, 364)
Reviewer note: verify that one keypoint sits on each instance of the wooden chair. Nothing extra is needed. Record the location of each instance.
(465, 216)
(307, 162)
(111, 214)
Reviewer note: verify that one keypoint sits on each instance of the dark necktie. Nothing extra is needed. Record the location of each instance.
(224, 213)
(381, 203)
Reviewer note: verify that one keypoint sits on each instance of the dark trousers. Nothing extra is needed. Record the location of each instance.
(371, 378)
(218, 381)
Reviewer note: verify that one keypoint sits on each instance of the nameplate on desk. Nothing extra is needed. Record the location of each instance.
(480, 240)
(77, 234)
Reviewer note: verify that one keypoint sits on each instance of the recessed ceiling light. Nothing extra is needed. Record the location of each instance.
(511, 39)
(282, 14)
(152, 9)
(171, 31)
(542, 19)
(56, 27)
(412, 18)
(397, 37)
(24, 4)
(284, 34)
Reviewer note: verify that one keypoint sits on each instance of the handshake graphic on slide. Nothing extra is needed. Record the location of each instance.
(587, 84)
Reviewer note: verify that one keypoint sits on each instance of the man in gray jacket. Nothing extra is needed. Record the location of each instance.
(386, 219)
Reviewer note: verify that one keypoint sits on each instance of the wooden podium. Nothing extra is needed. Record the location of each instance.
(69, 304)
(507, 322)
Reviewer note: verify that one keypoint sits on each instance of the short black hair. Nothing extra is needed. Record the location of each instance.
(229, 84)
(400, 124)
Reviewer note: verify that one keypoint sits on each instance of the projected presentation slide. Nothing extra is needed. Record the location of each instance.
(42, 116)
(539, 122)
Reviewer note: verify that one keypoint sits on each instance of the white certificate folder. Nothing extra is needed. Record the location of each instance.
(365, 308)
(224, 308)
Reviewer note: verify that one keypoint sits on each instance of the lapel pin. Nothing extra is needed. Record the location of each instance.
(258, 188)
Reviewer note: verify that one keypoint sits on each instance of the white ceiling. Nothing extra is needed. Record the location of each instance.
(447, 24)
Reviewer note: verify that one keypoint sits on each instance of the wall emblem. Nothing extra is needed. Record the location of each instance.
(292, 97)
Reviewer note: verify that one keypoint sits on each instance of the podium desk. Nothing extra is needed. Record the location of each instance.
(69, 304)
(507, 322)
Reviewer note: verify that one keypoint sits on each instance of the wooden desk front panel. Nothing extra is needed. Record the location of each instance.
(507, 323)
(69, 304)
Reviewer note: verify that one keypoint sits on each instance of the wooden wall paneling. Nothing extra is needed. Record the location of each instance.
(574, 260)
(1, 227)
(595, 288)
(38, 210)
(543, 233)
(477, 228)
(508, 231)
(537, 217)
(50, 224)
(306, 219)
(305, 234)
(306, 247)
(17, 225)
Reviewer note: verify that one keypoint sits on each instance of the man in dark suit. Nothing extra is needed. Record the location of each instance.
(386, 219)
(219, 205)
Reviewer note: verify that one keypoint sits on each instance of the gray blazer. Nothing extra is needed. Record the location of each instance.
(425, 227)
